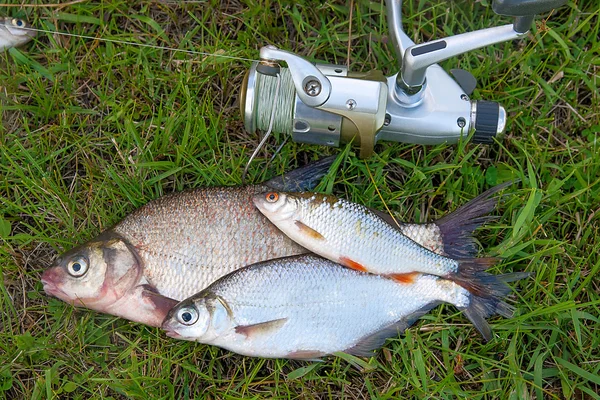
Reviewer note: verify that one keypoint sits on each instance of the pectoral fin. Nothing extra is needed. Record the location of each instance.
(261, 328)
(161, 303)
(308, 231)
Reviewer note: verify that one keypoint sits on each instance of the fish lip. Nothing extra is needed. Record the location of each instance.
(169, 330)
(171, 333)
(50, 287)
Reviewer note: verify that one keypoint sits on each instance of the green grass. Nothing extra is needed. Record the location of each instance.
(92, 130)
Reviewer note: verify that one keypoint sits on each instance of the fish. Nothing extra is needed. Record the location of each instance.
(359, 238)
(306, 307)
(177, 245)
(14, 32)
(173, 247)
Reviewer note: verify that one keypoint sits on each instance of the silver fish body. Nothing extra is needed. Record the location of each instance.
(304, 307)
(350, 234)
(14, 32)
(188, 240)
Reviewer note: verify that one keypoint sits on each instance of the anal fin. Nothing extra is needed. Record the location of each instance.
(406, 278)
(308, 355)
(261, 327)
(366, 346)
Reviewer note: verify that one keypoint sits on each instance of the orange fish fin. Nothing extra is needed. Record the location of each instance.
(260, 328)
(346, 262)
(406, 278)
(309, 231)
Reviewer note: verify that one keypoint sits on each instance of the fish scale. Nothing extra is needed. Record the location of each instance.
(210, 232)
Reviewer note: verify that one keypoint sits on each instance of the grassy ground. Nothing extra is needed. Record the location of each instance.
(92, 130)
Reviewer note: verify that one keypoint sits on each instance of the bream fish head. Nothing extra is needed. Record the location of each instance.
(95, 275)
(14, 32)
(277, 206)
(199, 318)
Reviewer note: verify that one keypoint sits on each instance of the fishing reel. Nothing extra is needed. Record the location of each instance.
(421, 104)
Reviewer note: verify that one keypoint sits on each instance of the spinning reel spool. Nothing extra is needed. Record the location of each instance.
(422, 104)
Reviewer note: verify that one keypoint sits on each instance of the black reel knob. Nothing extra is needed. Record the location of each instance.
(490, 120)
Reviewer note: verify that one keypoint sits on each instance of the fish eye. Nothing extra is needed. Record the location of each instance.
(77, 267)
(187, 315)
(18, 22)
(272, 197)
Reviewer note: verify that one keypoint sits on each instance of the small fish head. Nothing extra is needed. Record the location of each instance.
(94, 275)
(277, 206)
(200, 318)
(19, 30)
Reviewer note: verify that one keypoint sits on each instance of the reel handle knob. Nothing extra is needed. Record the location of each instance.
(522, 8)
(488, 119)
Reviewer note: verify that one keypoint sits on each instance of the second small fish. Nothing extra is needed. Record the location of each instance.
(304, 307)
(14, 32)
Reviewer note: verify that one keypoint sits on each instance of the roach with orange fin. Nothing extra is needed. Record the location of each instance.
(304, 307)
(359, 238)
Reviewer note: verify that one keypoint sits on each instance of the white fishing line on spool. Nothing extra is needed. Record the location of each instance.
(270, 127)
(281, 105)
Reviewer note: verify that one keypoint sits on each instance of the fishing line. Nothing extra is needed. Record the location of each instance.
(268, 133)
(283, 103)
(152, 46)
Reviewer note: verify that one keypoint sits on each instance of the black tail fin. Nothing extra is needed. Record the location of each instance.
(304, 178)
(487, 292)
(457, 227)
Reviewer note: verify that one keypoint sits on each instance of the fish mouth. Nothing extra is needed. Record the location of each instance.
(50, 287)
(170, 332)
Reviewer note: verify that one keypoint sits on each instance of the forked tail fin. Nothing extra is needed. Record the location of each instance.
(487, 293)
(457, 227)
(304, 178)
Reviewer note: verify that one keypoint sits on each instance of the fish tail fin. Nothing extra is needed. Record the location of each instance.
(487, 292)
(457, 227)
(304, 178)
